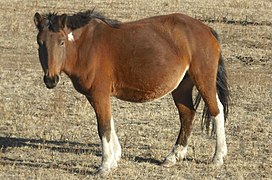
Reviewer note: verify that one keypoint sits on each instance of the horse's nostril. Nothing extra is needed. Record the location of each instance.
(51, 82)
(45, 79)
(56, 79)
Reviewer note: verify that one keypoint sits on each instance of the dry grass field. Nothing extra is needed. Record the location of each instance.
(52, 134)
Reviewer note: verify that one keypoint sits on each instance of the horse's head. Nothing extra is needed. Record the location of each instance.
(52, 39)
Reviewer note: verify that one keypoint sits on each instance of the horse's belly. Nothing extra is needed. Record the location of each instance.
(134, 95)
(138, 95)
(140, 80)
(148, 90)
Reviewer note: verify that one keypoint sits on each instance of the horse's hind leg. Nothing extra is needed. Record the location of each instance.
(183, 101)
(206, 85)
(221, 145)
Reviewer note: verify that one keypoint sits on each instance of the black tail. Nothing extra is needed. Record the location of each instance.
(222, 91)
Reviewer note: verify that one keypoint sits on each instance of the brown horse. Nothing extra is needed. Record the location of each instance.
(138, 62)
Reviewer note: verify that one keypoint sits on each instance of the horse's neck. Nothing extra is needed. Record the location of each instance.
(85, 50)
(73, 61)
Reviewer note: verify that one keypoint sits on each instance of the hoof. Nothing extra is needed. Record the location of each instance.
(169, 161)
(105, 170)
(102, 172)
(218, 161)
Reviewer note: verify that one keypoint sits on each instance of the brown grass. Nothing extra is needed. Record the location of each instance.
(52, 134)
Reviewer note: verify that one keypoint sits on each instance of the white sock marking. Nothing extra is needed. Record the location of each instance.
(115, 142)
(221, 145)
(180, 152)
(177, 154)
(111, 151)
(107, 154)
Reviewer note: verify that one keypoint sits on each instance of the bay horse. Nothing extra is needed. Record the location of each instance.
(137, 61)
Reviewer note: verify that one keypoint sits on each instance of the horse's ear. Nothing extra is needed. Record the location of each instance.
(62, 20)
(37, 20)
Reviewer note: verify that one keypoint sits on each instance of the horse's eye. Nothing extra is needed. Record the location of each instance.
(62, 43)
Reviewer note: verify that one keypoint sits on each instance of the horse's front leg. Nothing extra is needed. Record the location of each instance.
(111, 149)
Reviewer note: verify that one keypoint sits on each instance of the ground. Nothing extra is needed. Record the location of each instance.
(52, 134)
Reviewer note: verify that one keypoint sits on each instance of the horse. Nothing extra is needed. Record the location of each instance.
(138, 61)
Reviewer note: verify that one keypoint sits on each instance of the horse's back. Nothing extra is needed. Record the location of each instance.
(176, 33)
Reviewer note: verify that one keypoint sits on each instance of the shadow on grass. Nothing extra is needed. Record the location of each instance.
(148, 160)
(64, 147)
(60, 146)
(159, 163)
(69, 167)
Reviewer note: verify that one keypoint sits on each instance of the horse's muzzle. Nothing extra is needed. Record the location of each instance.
(51, 82)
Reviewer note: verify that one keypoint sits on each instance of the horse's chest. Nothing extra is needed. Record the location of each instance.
(80, 86)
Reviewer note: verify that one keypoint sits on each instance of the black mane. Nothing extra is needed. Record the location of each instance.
(51, 21)
(77, 20)
(80, 19)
